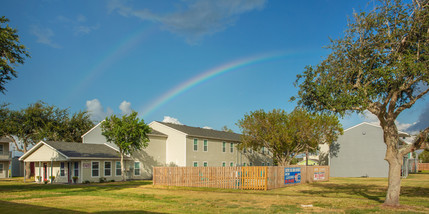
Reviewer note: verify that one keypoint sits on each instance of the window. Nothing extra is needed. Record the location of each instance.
(263, 150)
(206, 146)
(1, 167)
(268, 164)
(250, 151)
(62, 171)
(263, 164)
(231, 164)
(231, 149)
(195, 163)
(1, 149)
(118, 168)
(223, 147)
(195, 144)
(136, 168)
(223, 164)
(206, 164)
(244, 151)
(244, 164)
(76, 169)
(107, 168)
(95, 169)
(250, 164)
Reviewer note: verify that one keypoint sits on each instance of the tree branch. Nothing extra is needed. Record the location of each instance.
(411, 103)
(420, 143)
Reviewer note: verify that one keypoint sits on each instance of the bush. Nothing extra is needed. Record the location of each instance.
(112, 180)
(86, 182)
(102, 180)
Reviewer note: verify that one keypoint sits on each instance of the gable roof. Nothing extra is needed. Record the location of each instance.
(401, 134)
(73, 150)
(204, 133)
(5, 140)
(153, 132)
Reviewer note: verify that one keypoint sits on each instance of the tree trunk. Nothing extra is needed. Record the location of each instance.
(306, 157)
(394, 189)
(395, 160)
(27, 165)
(123, 167)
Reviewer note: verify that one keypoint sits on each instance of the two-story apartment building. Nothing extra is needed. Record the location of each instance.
(169, 145)
(5, 158)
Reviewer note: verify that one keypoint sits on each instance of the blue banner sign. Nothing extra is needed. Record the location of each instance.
(293, 175)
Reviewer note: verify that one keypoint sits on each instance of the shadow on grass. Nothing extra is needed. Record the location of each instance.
(19, 187)
(372, 192)
(11, 207)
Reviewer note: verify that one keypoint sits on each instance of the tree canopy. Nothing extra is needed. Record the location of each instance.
(128, 133)
(286, 135)
(381, 64)
(12, 52)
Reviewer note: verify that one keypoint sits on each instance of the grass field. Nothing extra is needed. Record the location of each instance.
(343, 195)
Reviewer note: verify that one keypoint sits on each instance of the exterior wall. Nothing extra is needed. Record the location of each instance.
(5, 155)
(95, 137)
(152, 155)
(255, 158)
(215, 155)
(87, 170)
(17, 167)
(175, 144)
(359, 152)
(4, 173)
(54, 170)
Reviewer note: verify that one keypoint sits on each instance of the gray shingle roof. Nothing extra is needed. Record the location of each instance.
(5, 140)
(205, 133)
(84, 150)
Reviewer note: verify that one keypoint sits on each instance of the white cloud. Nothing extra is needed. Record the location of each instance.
(422, 122)
(168, 119)
(207, 127)
(96, 110)
(77, 25)
(125, 107)
(198, 19)
(44, 36)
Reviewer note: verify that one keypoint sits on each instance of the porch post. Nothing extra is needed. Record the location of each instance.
(80, 172)
(40, 172)
(52, 165)
(24, 172)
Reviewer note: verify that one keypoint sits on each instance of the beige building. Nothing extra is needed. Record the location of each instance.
(169, 144)
(5, 157)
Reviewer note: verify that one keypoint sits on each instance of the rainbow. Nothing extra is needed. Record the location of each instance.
(111, 56)
(205, 76)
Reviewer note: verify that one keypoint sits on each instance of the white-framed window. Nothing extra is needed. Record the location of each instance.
(231, 148)
(118, 171)
(206, 145)
(76, 169)
(263, 150)
(95, 169)
(1, 149)
(107, 168)
(263, 164)
(244, 164)
(268, 163)
(223, 163)
(1, 167)
(195, 144)
(205, 164)
(136, 168)
(231, 163)
(195, 163)
(62, 169)
(244, 151)
(250, 150)
(223, 146)
(250, 164)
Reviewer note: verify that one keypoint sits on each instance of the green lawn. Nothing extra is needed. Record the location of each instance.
(344, 195)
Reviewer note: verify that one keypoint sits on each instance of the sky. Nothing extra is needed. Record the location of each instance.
(199, 63)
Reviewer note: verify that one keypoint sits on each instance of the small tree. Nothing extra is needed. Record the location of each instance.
(286, 135)
(11, 52)
(380, 65)
(226, 129)
(129, 133)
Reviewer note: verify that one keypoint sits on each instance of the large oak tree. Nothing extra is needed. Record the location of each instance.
(381, 64)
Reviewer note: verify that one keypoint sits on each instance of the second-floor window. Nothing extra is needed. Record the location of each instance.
(223, 147)
(231, 148)
(1, 149)
(206, 145)
(195, 144)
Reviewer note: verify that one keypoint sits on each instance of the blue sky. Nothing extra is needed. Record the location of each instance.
(112, 56)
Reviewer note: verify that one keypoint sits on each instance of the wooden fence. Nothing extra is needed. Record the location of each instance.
(250, 177)
(423, 166)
